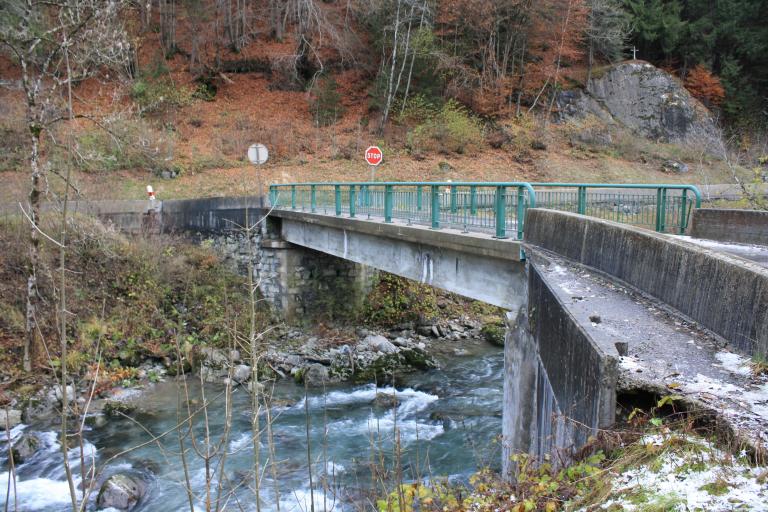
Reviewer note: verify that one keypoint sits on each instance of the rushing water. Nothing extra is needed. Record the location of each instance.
(448, 421)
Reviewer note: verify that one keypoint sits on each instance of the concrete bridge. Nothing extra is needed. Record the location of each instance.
(581, 279)
(605, 298)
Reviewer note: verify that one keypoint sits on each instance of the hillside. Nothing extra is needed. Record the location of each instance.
(180, 115)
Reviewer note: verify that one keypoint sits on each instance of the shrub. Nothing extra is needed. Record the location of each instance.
(452, 130)
(705, 86)
(157, 96)
(494, 333)
(122, 143)
(130, 297)
(418, 109)
(395, 300)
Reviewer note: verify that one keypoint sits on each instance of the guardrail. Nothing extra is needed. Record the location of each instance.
(497, 208)
(661, 207)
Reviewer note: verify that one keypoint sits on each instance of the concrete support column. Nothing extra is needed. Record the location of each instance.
(520, 379)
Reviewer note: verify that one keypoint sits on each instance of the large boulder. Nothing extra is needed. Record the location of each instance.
(643, 98)
(316, 375)
(24, 448)
(9, 418)
(121, 492)
(378, 343)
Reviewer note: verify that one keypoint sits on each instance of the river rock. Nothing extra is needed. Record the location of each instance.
(121, 492)
(425, 330)
(25, 447)
(310, 346)
(385, 400)
(379, 343)
(42, 405)
(647, 100)
(315, 375)
(118, 408)
(58, 393)
(214, 356)
(400, 342)
(241, 373)
(211, 374)
(9, 418)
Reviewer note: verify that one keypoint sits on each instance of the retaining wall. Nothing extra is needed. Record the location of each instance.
(740, 226)
(726, 295)
(560, 385)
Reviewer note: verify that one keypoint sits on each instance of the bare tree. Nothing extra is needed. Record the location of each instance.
(39, 36)
(167, 10)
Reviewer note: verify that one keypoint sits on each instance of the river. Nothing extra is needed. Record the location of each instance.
(449, 421)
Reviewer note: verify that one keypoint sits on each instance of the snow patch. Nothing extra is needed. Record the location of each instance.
(734, 363)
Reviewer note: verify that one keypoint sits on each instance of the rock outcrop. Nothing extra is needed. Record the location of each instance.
(641, 97)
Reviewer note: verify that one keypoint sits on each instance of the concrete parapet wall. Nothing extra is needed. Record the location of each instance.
(203, 215)
(740, 226)
(727, 295)
(560, 385)
(211, 215)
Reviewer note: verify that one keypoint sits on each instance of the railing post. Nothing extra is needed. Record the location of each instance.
(683, 213)
(337, 198)
(293, 197)
(313, 198)
(454, 194)
(418, 197)
(273, 196)
(388, 190)
(473, 199)
(520, 211)
(582, 208)
(501, 212)
(435, 193)
(352, 200)
(661, 207)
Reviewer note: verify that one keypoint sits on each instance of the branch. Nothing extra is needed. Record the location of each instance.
(34, 224)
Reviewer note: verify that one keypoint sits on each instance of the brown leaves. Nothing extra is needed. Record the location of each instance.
(705, 86)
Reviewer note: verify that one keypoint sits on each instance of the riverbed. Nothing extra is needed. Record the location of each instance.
(448, 422)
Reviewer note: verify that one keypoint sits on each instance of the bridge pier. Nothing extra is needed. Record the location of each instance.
(304, 284)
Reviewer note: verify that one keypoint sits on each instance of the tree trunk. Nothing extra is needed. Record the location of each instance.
(31, 327)
(388, 104)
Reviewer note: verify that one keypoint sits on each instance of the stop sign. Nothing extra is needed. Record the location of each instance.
(373, 155)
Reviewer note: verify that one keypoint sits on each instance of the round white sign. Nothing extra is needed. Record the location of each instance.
(258, 154)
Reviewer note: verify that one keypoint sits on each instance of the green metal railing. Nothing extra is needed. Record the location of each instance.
(497, 208)
(663, 208)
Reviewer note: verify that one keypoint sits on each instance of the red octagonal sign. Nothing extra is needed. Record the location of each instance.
(373, 155)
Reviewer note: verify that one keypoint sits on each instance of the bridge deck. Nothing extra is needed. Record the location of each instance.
(667, 353)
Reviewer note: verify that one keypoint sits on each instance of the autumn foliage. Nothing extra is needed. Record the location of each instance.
(705, 86)
(507, 50)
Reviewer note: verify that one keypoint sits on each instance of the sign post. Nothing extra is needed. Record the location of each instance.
(373, 156)
(258, 154)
